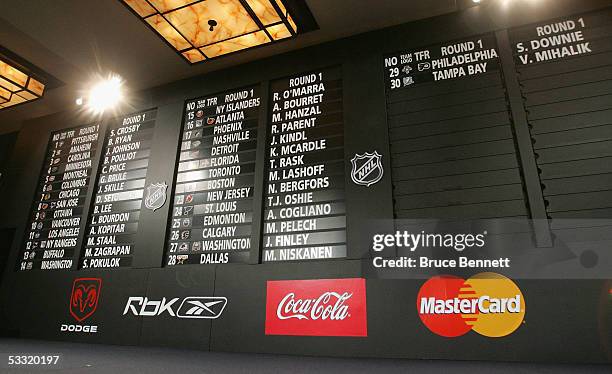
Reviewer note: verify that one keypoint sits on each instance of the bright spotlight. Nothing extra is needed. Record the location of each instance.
(105, 95)
(476, 1)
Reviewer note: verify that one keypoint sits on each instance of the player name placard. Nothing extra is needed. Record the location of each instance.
(442, 62)
(212, 210)
(57, 213)
(110, 235)
(562, 39)
(304, 207)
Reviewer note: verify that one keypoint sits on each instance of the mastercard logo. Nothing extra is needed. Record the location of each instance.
(487, 303)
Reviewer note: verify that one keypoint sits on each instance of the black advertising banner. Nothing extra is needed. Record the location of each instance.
(118, 197)
(304, 212)
(212, 210)
(56, 216)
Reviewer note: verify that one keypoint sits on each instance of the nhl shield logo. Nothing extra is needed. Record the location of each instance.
(155, 196)
(84, 297)
(367, 169)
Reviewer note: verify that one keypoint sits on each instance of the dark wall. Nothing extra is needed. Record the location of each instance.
(7, 143)
(559, 311)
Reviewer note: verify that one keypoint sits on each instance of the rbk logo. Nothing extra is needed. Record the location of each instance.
(84, 297)
(189, 307)
(202, 307)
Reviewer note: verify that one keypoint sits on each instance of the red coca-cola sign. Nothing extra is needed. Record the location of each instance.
(323, 307)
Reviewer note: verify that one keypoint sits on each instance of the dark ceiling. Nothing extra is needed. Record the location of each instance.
(74, 39)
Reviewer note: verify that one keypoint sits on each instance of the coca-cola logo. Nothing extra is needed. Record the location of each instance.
(326, 307)
(330, 305)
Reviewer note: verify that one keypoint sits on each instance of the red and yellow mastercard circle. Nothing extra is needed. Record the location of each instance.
(488, 303)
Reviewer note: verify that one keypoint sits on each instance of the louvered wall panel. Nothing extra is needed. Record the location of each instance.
(569, 106)
(453, 153)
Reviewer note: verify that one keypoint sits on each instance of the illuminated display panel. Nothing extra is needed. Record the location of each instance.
(205, 29)
(17, 86)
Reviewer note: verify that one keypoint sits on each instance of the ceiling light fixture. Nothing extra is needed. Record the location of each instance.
(203, 29)
(17, 85)
(104, 95)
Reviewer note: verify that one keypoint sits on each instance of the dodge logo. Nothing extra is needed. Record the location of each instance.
(84, 297)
